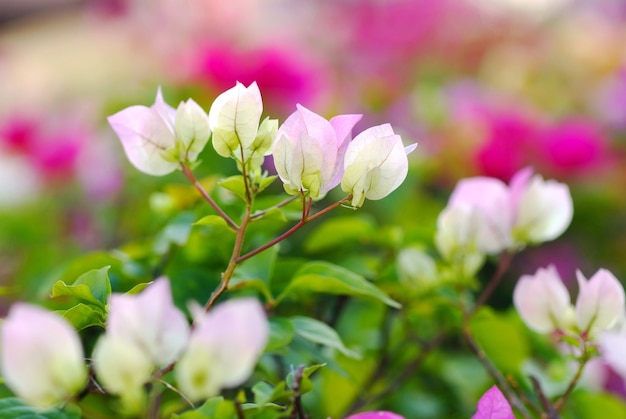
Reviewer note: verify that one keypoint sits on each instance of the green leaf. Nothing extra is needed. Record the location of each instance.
(318, 332)
(502, 338)
(14, 408)
(332, 279)
(138, 288)
(584, 405)
(340, 231)
(214, 408)
(213, 221)
(176, 232)
(265, 182)
(235, 184)
(92, 288)
(306, 384)
(98, 282)
(83, 316)
(265, 393)
(282, 333)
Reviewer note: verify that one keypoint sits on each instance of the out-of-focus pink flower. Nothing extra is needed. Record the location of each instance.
(308, 151)
(572, 147)
(150, 321)
(375, 164)
(600, 302)
(493, 405)
(223, 348)
(528, 211)
(543, 302)
(610, 101)
(381, 414)
(282, 76)
(541, 210)
(42, 359)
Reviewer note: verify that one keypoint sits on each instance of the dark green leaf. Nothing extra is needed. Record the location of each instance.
(332, 279)
(318, 332)
(281, 333)
(14, 408)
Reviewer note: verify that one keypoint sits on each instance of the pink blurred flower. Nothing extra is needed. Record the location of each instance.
(42, 358)
(223, 348)
(381, 414)
(282, 75)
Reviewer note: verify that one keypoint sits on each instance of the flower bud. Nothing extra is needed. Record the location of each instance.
(415, 267)
(192, 129)
(42, 359)
(234, 119)
(600, 302)
(307, 151)
(223, 348)
(375, 164)
(543, 302)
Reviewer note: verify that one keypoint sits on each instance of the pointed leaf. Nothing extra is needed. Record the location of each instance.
(318, 332)
(332, 279)
(235, 184)
(83, 316)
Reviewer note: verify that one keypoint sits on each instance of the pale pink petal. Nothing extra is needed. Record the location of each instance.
(376, 415)
(600, 302)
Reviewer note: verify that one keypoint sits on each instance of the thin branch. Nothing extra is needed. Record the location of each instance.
(503, 265)
(551, 412)
(281, 204)
(298, 410)
(407, 372)
(234, 260)
(207, 197)
(495, 374)
(558, 405)
(239, 410)
(296, 227)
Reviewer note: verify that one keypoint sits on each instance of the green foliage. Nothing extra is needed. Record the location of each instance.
(14, 408)
(332, 279)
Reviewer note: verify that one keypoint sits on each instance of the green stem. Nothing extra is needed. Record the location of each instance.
(234, 260)
(207, 197)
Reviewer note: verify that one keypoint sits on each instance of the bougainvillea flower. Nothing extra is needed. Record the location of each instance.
(157, 138)
(223, 348)
(151, 321)
(234, 119)
(543, 302)
(600, 302)
(308, 151)
(493, 405)
(542, 210)
(42, 358)
(375, 164)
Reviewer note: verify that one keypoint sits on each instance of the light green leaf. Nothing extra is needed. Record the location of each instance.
(340, 231)
(235, 184)
(14, 408)
(176, 232)
(92, 288)
(265, 393)
(98, 282)
(282, 333)
(332, 279)
(213, 221)
(138, 288)
(214, 408)
(83, 316)
(318, 332)
(265, 182)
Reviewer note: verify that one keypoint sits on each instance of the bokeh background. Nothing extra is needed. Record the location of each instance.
(486, 87)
